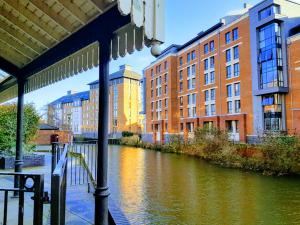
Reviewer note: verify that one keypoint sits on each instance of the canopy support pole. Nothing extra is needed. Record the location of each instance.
(101, 191)
(19, 132)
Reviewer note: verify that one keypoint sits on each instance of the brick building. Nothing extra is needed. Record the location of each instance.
(241, 75)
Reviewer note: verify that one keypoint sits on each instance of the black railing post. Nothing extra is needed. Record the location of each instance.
(54, 156)
(101, 191)
(19, 132)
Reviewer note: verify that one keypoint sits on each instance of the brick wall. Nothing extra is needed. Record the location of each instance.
(44, 136)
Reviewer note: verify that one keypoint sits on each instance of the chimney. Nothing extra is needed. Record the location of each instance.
(247, 6)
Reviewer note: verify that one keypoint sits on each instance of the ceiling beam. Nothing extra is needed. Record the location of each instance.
(29, 31)
(8, 67)
(100, 29)
(6, 55)
(15, 49)
(22, 38)
(13, 42)
(99, 4)
(15, 55)
(55, 17)
(22, 10)
(75, 11)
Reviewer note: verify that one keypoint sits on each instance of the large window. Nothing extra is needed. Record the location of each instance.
(212, 46)
(272, 108)
(206, 64)
(205, 48)
(212, 62)
(235, 34)
(228, 72)
(228, 55)
(227, 38)
(270, 10)
(270, 56)
(236, 53)
(236, 68)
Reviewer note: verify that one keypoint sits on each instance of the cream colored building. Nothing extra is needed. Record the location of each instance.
(125, 106)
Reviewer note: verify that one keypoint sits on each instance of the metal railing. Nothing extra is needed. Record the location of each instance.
(29, 183)
(83, 162)
(59, 184)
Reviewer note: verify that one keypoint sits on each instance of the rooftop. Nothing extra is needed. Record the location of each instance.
(69, 98)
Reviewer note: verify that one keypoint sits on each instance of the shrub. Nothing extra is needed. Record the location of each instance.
(127, 134)
(8, 126)
(130, 140)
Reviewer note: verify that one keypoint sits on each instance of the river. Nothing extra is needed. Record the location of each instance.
(159, 188)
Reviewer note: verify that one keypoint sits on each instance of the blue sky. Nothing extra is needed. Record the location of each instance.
(184, 20)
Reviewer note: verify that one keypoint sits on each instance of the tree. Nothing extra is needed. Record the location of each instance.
(8, 126)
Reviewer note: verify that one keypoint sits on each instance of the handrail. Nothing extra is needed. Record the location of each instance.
(59, 187)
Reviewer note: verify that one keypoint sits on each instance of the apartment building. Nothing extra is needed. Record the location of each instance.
(78, 112)
(239, 75)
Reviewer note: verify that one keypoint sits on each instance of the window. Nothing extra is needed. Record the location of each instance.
(188, 72)
(181, 101)
(152, 93)
(270, 56)
(206, 81)
(206, 64)
(236, 53)
(180, 75)
(212, 46)
(213, 109)
(236, 67)
(166, 65)
(193, 55)
(272, 108)
(166, 89)
(237, 89)
(235, 34)
(152, 72)
(166, 102)
(227, 38)
(228, 72)
(188, 57)
(191, 83)
(270, 10)
(206, 95)
(237, 106)
(181, 113)
(166, 78)
(205, 48)
(180, 87)
(229, 91)
(207, 110)
(193, 70)
(180, 61)
(151, 83)
(228, 55)
(213, 94)
(212, 77)
(212, 62)
(229, 107)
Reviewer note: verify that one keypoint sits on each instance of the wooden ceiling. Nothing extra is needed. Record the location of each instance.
(30, 28)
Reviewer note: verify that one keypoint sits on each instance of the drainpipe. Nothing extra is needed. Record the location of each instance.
(101, 191)
(19, 132)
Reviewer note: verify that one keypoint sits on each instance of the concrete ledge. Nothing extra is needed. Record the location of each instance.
(116, 216)
(8, 162)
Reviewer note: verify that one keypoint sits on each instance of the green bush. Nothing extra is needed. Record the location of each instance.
(8, 126)
(130, 140)
(127, 134)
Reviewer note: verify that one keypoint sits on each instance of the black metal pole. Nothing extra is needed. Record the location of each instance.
(19, 132)
(101, 191)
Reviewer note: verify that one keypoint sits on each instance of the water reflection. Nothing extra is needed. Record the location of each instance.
(157, 188)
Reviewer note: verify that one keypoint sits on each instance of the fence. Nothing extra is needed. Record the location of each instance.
(29, 183)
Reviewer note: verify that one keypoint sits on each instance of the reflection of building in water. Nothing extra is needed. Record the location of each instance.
(78, 112)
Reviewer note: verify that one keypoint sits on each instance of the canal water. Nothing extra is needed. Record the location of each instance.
(159, 188)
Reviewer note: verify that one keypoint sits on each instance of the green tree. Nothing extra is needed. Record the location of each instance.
(8, 126)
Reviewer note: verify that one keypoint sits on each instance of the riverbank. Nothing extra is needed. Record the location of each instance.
(276, 155)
